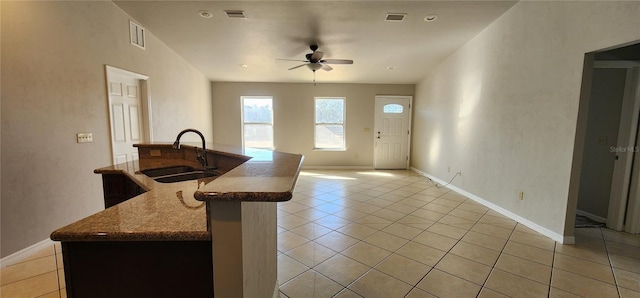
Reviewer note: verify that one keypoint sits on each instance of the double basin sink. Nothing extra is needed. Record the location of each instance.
(178, 174)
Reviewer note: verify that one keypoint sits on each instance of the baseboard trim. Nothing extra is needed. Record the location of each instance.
(18, 256)
(337, 168)
(532, 225)
(591, 216)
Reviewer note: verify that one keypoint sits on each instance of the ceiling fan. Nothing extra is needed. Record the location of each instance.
(314, 61)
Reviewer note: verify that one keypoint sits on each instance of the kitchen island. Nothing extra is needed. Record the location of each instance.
(194, 238)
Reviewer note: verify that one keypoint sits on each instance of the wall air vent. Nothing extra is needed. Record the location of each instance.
(235, 14)
(395, 17)
(137, 34)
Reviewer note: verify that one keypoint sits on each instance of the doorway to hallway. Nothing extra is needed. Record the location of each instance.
(607, 139)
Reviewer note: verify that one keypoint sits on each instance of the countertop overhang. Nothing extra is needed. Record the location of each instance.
(176, 211)
(270, 177)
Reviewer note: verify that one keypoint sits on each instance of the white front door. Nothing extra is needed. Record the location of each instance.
(125, 113)
(392, 132)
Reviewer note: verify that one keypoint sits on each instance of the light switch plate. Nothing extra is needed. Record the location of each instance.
(85, 137)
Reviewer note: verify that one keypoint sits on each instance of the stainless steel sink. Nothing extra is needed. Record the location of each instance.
(157, 172)
(177, 174)
(185, 176)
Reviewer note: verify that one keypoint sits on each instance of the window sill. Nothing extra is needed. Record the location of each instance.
(329, 149)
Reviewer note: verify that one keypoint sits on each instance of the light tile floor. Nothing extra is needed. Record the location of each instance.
(395, 234)
(38, 275)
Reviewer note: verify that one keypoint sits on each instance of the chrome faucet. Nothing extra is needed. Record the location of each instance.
(202, 158)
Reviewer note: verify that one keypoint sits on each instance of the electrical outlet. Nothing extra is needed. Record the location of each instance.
(85, 137)
(449, 169)
(520, 195)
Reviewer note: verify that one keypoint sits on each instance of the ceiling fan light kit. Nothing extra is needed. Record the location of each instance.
(314, 66)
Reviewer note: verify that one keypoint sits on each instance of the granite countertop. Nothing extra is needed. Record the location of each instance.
(177, 211)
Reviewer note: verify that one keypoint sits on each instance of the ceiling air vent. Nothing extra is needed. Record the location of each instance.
(395, 17)
(235, 14)
(136, 33)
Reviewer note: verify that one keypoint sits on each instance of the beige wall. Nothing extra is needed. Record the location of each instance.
(503, 108)
(294, 118)
(53, 78)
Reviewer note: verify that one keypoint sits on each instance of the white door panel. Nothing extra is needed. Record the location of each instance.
(134, 123)
(118, 127)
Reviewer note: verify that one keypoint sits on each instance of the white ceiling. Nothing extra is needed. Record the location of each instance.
(356, 30)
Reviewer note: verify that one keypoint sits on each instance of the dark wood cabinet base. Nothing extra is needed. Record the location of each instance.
(118, 188)
(138, 269)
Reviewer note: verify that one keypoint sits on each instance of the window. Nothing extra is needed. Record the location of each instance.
(392, 109)
(257, 121)
(329, 128)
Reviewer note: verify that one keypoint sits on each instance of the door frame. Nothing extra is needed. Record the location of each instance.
(145, 100)
(409, 125)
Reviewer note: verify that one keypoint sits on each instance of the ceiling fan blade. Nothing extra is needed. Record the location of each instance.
(316, 56)
(301, 65)
(337, 61)
(297, 60)
(326, 67)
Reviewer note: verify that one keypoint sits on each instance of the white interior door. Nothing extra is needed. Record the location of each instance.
(392, 132)
(632, 216)
(125, 112)
(624, 200)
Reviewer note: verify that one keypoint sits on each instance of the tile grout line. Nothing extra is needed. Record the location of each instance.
(553, 261)
(55, 255)
(496, 262)
(606, 249)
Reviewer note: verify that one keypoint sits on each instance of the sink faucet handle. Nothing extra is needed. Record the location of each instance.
(200, 156)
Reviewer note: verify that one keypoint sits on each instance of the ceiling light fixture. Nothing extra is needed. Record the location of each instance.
(391, 68)
(244, 65)
(205, 14)
(431, 18)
